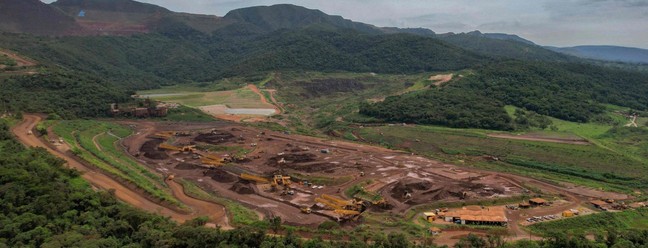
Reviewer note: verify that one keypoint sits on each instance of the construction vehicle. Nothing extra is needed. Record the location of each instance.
(346, 212)
(346, 204)
(340, 207)
(166, 146)
(210, 159)
(257, 179)
(171, 177)
(164, 135)
(370, 197)
(281, 180)
(306, 210)
(211, 162)
(30, 132)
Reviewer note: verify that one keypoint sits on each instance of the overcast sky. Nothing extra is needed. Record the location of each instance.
(546, 22)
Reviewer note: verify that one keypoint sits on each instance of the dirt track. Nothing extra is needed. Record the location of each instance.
(533, 138)
(20, 61)
(441, 79)
(123, 193)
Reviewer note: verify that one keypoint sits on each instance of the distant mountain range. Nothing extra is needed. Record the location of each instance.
(126, 17)
(609, 53)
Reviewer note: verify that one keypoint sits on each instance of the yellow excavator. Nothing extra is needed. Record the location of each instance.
(166, 146)
(257, 179)
(340, 206)
(164, 135)
(210, 159)
(211, 162)
(346, 204)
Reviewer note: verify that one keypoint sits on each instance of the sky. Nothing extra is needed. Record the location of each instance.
(545, 22)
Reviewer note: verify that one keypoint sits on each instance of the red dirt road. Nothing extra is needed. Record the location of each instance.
(123, 193)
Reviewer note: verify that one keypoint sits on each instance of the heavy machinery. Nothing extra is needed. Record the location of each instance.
(257, 179)
(211, 162)
(164, 135)
(275, 182)
(210, 159)
(346, 204)
(348, 210)
(306, 210)
(370, 197)
(281, 180)
(166, 146)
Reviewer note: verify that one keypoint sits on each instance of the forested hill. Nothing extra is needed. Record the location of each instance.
(288, 16)
(573, 92)
(146, 61)
(128, 17)
(34, 17)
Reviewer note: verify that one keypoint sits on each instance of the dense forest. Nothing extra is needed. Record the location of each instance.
(568, 91)
(178, 54)
(66, 94)
(447, 107)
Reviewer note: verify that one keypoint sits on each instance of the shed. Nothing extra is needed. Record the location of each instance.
(435, 230)
(430, 216)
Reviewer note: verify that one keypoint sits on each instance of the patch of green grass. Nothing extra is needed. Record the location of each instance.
(80, 133)
(184, 113)
(263, 82)
(467, 146)
(232, 150)
(596, 223)
(321, 180)
(5, 60)
(240, 214)
(238, 98)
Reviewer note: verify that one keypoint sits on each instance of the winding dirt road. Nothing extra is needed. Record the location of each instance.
(199, 208)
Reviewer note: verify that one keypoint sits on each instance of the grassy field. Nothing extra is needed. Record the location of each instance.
(239, 98)
(591, 165)
(93, 142)
(184, 113)
(596, 223)
(240, 215)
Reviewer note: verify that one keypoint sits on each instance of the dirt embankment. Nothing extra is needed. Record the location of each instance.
(441, 79)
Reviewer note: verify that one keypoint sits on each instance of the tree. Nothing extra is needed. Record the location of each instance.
(471, 241)
(275, 224)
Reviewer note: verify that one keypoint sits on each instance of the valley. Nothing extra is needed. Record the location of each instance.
(128, 124)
